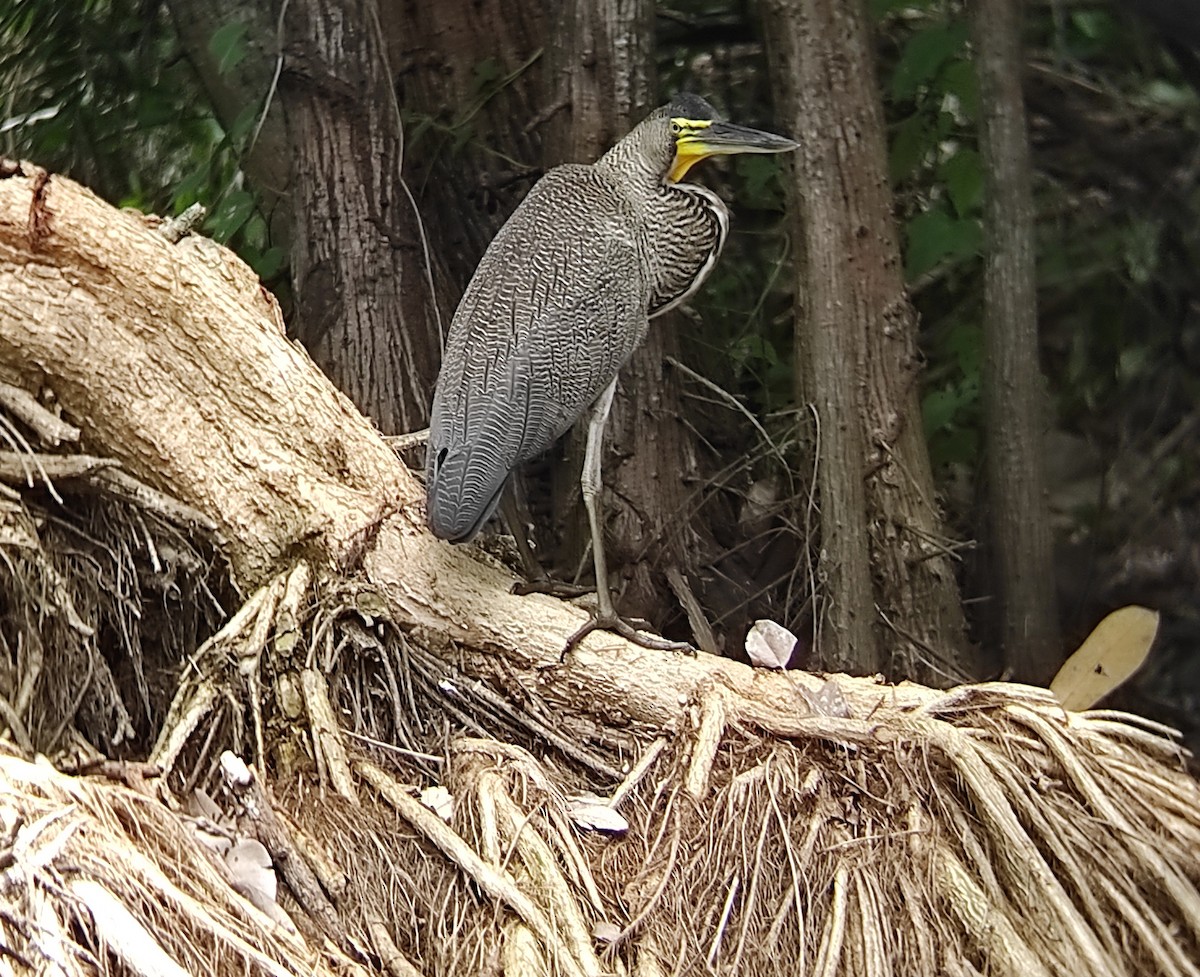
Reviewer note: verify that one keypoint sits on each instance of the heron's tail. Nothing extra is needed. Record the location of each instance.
(461, 496)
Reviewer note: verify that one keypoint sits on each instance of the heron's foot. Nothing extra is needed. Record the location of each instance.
(618, 625)
(548, 585)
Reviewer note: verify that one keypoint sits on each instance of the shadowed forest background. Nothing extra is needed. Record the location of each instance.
(159, 105)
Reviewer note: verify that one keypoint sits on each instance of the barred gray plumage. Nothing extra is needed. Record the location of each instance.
(562, 298)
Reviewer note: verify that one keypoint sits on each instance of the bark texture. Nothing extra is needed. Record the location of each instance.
(362, 274)
(890, 593)
(173, 357)
(469, 151)
(1013, 390)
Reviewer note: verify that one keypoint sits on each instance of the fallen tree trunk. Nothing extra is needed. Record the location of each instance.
(767, 821)
(173, 358)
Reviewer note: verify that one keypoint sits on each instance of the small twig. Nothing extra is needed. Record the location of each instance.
(715, 946)
(392, 748)
(401, 442)
(125, 486)
(497, 885)
(9, 717)
(246, 786)
(701, 630)
(950, 549)
(15, 469)
(326, 733)
(50, 429)
(730, 399)
(708, 741)
(390, 955)
(177, 228)
(524, 719)
(271, 89)
(655, 896)
(638, 773)
(27, 457)
(547, 114)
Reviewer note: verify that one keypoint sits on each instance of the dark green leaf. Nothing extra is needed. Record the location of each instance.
(486, 71)
(268, 264)
(244, 123)
(228, 46)
(935, 235)
(188, 191)
(761, 189)
(910, 146)
(923, 55)
(965, 344)
(938, 410)
(955, 446)
(963, 175)
(958, 78)
(230, 215)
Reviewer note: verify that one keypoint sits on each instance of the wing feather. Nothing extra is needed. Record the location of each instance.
(555, 308)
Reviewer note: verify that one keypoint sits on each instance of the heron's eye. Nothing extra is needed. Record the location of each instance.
(676, 128)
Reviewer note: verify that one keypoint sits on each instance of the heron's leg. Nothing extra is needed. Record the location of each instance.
(591, 483)
(537, 580)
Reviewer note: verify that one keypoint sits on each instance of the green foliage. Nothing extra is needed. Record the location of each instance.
(1118, 229)
(101, 90)
(923, 57)
(934, 236)
(931, 97)
(950, 408)
(228, 46)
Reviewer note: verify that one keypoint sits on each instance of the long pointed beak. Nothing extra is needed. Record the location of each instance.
(724, 139)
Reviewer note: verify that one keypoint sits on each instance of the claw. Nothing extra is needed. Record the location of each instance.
(627, 631)
(547, 585)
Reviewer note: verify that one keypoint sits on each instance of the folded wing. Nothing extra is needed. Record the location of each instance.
(556, 307)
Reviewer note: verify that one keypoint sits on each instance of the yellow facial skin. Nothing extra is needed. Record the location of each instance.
(697, 139)
(689, 146)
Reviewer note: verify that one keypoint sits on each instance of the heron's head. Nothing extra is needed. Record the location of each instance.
(695, 131)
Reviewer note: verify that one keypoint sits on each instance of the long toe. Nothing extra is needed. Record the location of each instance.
(619, 626)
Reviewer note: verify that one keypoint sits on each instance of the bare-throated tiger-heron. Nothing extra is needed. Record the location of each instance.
(560, 301)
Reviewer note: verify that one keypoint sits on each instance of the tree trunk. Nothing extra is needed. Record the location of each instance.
(469, 77)
(470, 153)
(1013, 390)
(890, 597)
(360, 269)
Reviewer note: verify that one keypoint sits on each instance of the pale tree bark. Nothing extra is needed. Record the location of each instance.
(173, 362)
(890, 598)
(1014, 393)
